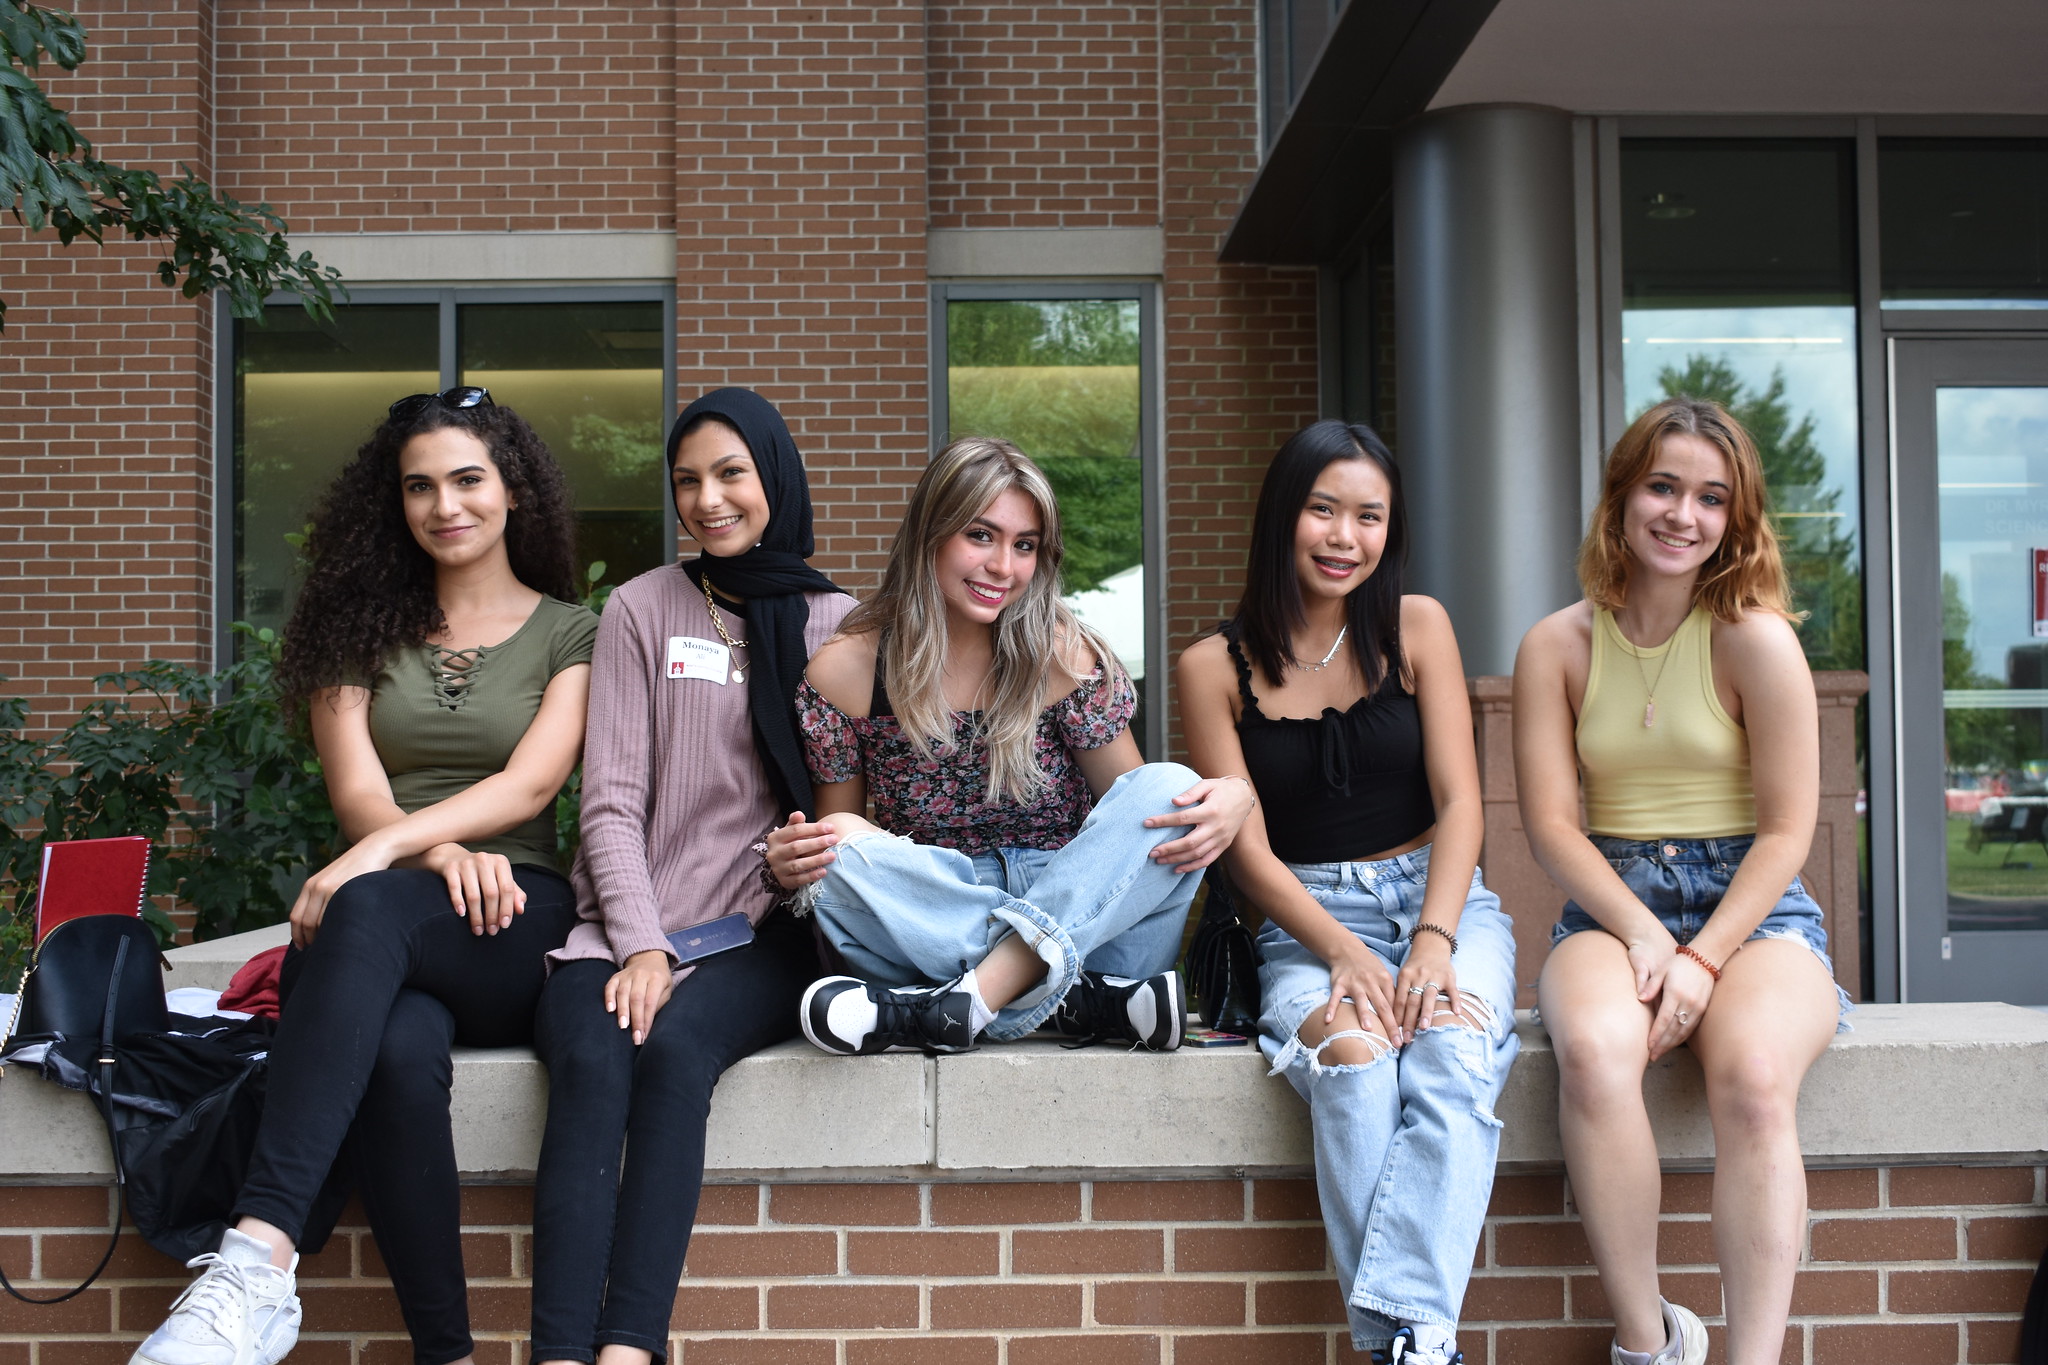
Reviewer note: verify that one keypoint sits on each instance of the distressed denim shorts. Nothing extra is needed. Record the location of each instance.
(1681, 881)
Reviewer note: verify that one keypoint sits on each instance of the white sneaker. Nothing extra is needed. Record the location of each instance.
(1685, 1339)
(240, 1311)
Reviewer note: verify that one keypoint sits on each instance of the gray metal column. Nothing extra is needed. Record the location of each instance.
(1486, 362)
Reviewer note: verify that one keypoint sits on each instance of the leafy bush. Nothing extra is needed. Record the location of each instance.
(203, 765)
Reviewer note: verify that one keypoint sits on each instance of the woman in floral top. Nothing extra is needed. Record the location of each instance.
(1023, 866)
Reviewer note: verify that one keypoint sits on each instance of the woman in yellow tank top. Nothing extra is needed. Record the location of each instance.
(1675, 700)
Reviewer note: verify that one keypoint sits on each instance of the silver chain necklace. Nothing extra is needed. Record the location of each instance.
(1324, 662)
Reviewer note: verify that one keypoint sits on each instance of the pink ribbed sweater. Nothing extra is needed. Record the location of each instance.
(674, 795)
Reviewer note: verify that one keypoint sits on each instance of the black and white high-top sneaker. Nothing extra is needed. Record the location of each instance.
(846, 1015)
(1100, 1008)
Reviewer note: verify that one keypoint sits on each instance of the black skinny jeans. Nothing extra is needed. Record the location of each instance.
(393, 980)
(609, 1232)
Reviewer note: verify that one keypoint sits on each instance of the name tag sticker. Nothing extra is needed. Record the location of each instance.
(693, 658)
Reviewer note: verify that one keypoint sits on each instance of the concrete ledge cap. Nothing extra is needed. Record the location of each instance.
(1879, 1096)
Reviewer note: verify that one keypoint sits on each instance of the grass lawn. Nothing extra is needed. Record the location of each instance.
(1980, 873)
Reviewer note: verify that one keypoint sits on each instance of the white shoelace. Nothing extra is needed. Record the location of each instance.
(224, 1298)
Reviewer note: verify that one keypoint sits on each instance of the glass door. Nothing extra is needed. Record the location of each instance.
(1971, 431)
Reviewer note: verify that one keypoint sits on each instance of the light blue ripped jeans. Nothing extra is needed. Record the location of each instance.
(1405, 1144)
(906, 914)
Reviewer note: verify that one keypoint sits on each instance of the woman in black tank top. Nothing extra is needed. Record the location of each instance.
(1386, 966)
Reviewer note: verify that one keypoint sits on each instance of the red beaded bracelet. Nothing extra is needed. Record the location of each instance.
(1697, 956)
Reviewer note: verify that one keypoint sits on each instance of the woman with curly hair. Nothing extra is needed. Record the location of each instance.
(1673, 705)
(445, 670)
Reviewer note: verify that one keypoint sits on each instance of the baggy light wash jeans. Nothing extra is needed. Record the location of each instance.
(1405, 1145)
(904, 914)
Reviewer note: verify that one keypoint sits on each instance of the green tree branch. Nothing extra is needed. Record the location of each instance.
(50, 180)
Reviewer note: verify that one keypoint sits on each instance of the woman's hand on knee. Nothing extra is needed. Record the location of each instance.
(1426, 976)
(1215, 808)
(310, 908)
(638, 990)
(1688, 990)
(480, 885)
(799, 852)
(1357, 975)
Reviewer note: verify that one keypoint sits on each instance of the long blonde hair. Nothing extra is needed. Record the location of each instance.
(1033, 634)
(1746, 572)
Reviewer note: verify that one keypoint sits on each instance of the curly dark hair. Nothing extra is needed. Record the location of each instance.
(370, 586)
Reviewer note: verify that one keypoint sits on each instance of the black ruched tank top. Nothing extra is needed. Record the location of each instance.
(1341, 786)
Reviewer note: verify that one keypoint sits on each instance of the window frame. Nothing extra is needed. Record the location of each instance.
(1151, 450)
(227, 482)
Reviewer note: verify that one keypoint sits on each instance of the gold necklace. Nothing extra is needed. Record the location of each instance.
(1649, 684)
(718, 624)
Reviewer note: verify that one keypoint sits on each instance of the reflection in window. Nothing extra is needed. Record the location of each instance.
(306, 395)
(1992, 458)
(588, 376)
(1963, 222)
(1738, 282)
(1060, 378)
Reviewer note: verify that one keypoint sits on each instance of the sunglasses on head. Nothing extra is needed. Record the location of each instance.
(461, 397)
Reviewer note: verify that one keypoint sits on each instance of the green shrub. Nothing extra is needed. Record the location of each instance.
(203, 765)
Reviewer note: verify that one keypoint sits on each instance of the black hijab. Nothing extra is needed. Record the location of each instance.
(771, 578)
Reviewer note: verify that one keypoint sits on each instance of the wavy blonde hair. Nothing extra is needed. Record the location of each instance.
(1746, 572)
(1032, 634)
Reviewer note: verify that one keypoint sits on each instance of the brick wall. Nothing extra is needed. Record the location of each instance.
(106, 493)
(1240, 340)
(1905, 1266)
(1044, 116)
(447, 117)
(800, 202)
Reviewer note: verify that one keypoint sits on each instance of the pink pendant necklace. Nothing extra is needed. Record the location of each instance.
(1649, 683)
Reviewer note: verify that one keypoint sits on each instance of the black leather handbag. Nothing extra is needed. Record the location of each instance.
(1222, 965)
(97, 976)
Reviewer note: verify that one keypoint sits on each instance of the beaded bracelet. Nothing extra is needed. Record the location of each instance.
(1449, 937)
(1697, 956)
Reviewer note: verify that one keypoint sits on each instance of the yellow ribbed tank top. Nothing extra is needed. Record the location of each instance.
(1686, 776)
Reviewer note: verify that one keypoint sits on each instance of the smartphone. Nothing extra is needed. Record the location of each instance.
(1208, 1037)
(700, 941)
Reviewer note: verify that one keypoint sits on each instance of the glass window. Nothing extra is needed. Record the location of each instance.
(306, 395)
(589, 376)
(1963, 222)
(1738, 284)
(1062, 378)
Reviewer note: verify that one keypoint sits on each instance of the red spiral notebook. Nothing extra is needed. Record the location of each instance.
(90, 877)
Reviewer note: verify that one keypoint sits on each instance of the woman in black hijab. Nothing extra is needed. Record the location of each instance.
(690, 758)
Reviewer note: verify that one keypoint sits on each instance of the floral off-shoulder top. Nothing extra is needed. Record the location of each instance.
(940, 800)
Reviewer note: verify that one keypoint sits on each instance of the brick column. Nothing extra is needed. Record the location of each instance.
(1240, 339)
(800, 251)
(106, 459)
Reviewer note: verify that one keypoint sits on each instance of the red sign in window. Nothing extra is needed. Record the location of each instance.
(2040, 594)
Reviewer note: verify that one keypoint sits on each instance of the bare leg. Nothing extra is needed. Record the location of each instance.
(1769, 1018)
(1008, 972)
(1601, 1033)
(1346, 1051)
(282, 1248)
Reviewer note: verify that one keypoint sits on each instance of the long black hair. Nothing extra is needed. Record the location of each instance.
(370, 587)
(1270, 611)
